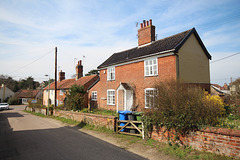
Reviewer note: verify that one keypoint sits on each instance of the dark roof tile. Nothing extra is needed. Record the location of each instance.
(166, 44)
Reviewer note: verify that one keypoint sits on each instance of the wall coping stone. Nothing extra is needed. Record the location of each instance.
(90, 114)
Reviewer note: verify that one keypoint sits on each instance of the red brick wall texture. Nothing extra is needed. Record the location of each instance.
(220, 141)
(92, 119)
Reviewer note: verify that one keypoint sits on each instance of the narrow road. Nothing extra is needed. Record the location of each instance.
(25, 136)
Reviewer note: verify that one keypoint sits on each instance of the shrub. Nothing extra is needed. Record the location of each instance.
(13, 101)
(61, 107)
(35, 105)
(235, 97)
(75, 97)
(183, 107)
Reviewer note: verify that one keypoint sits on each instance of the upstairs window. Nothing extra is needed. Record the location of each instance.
(94, 96)
(150, 94)
(111, 97)
(111, 73)
(151, 67)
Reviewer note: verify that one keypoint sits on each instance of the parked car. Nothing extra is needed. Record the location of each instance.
(4, 106)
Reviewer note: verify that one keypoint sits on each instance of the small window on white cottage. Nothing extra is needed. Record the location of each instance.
(150, 94)
(151, 67)
(111, 97)
(94, 96)
(111, 73)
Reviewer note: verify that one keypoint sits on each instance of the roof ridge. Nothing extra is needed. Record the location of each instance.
(155, 41)
(173, 35)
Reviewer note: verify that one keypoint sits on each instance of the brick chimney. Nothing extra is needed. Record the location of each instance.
(61, 76)
(146, 33)
(79, 70)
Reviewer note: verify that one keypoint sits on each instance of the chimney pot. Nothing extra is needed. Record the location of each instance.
(147, 23)
(150, 21)
(141, 25)
(144, 23)
(79, 70)
(61, 75)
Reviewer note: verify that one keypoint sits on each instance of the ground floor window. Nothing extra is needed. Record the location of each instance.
(94, 96)
(111, 97)
(150, 94)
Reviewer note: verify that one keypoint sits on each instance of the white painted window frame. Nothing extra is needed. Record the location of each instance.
(111, 97)
(111, 73)
(151, 67)
(147, 105)
(94, 96)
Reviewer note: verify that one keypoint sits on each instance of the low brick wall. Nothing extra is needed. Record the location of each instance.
(92, 119)
(217, 140)
(38, 110)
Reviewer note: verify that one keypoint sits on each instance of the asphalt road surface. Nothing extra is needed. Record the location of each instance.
(25, 136)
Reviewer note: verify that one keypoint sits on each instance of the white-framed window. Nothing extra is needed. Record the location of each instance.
(111, 97)
(151, 67)
(111, 73)
(150, 94)
(61, 92)
(94, 96)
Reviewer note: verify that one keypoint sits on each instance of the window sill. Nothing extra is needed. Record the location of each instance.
(110, 80)
(151, 75)
(111, 104)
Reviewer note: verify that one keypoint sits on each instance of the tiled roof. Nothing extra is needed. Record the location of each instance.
(172, 43)
(28, 93)
(67, 83)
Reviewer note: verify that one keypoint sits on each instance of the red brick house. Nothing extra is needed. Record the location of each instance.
(63, 85)
(127, 78)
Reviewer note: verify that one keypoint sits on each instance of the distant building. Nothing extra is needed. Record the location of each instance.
(5, 93)
(25, 95)
(63, 86)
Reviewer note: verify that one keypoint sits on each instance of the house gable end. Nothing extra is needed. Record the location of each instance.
(193, 31)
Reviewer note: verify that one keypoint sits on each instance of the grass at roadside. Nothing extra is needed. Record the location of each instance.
(177, 152)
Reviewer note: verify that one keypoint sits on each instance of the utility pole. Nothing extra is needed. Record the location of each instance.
(4, 91)
(55, 96)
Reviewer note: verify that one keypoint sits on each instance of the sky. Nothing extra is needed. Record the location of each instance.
(93, 30)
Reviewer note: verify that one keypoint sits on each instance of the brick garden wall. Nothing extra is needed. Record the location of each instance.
(92, 119)
(220, 141)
